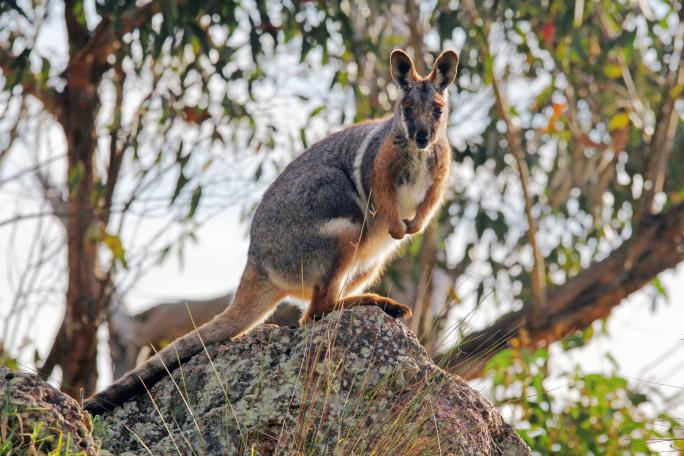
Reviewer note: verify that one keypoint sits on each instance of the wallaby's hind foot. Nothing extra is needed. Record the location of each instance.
(388, 305)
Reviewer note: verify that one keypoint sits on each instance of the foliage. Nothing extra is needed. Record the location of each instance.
(588, 126)
(568, 411)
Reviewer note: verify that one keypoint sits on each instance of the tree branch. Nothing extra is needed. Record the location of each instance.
(663, 139)
(51, 193)
(589, 296)
(105, 39)
(416, 34)
(421, 322)
(116, 152)
(74, 17)
(50, 98)
(662, 143)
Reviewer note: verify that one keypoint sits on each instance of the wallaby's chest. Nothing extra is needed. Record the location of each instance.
(412, 185)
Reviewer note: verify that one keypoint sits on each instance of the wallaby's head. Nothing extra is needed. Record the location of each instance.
(422, 106)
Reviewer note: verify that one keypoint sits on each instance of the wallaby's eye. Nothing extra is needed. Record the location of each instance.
(438, 112)
(408, 112)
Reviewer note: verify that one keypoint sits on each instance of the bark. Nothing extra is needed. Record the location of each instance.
(77, 337)
(422, 318)
(589, 296)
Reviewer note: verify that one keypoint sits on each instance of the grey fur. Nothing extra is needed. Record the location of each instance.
(317, 187)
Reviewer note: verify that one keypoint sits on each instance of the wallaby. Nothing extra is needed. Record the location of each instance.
(329, 223)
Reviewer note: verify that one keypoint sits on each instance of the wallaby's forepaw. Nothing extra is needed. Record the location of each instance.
(413, 226)
(398, 230)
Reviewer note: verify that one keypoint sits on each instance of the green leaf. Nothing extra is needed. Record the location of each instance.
(79, 13)
(254, 43)
(658, 285)
(618, 121)
(182, 181)
(316, 111)
(638, 398)
(302, 136)
(612, 70)
(113, 243)
(259, 171)
(164, 253)
(194, 202)
(75, 177)
(488, 69)
(573, 340)
(44, 72)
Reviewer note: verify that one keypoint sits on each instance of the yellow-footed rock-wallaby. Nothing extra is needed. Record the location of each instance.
(329, 223)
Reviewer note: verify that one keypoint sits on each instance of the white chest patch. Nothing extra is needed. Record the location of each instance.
(341, 227)
(410, 195)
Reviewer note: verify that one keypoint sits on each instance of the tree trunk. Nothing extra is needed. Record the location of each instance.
(75, 347)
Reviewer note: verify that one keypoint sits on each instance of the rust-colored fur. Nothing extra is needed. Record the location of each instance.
(384, 184)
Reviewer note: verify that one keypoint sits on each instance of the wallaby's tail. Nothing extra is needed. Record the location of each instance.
(253, 301)
(136, 381)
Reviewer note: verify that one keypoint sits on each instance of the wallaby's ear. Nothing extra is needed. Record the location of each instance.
(403, 70)
(444, 71)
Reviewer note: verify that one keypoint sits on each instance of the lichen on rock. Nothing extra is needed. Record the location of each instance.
(357, 382)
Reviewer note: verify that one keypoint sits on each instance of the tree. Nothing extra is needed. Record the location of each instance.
(140, 88)
(567, 193)
(602, 122)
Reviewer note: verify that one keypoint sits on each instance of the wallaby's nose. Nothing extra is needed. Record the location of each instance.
(422, 138)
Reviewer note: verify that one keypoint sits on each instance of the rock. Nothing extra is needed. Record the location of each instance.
(36, 418)
(357, 382)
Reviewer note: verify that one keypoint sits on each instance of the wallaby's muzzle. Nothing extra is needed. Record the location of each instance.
(422, 139)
